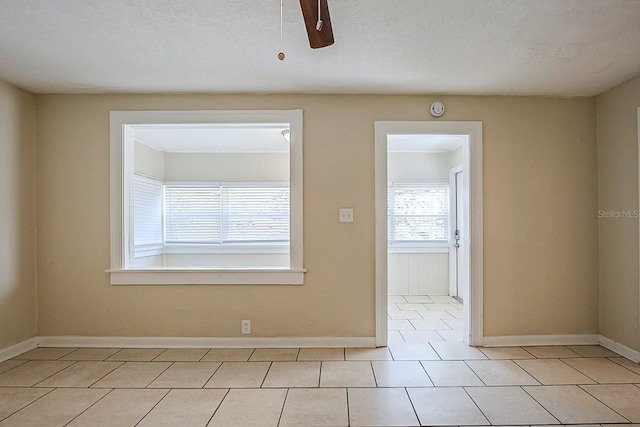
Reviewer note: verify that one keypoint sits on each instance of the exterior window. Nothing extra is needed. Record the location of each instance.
(206, 197)
(418, 212)
(193, 214)
(219, 213)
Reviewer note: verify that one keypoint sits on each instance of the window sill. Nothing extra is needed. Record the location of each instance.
(204, 276)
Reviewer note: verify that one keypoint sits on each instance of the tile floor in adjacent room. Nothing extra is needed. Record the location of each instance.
(406, 384)
(422, 318)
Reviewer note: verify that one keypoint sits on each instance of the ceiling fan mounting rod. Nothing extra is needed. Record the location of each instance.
(281, 54)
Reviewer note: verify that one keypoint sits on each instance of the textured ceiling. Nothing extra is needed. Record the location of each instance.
(553, 47)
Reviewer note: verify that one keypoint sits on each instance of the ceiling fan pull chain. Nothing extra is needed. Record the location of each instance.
(281, 55)
(319, 23)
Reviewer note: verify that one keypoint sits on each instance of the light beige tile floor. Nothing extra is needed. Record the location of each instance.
(190, 407)
(419, 383)
(347, 374)
(501, 372)
(250, 407)
(239, 375)
(553, 372)
(293, 374)
(433, 406)
(186, 375)
(133, 375)
(381, 407)
(316, 407)
(420, 318)
(124, 407)
(572, 405)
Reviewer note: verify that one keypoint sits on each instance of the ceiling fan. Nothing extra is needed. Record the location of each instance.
(318, 22)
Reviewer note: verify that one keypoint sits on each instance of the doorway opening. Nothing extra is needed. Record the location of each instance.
(428, 231)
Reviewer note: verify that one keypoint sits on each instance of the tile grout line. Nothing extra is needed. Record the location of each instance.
(218, 407)
(211, 376)
(158, 376)
(415, 412)
(266, 374)
(102, 377)
(14, 367)
(426, 372)
(346, 392)
(373, 371)
(475, 373)
(434, 349)
(153, 407)
(622, 366)
(153, 359)
(577, 370)
(580, 386)
(476, 404)
(541, 405)
(284, 402)
(56, 372)
(90, 406)
(29, 404)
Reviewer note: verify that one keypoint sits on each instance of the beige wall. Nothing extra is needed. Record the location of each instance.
(456, 157)
(148, 161)
(540, 229)
(410, 166)
(230, 167)
(17, 216)
(618, 191)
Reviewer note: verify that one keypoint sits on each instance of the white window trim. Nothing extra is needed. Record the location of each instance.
(121, 154)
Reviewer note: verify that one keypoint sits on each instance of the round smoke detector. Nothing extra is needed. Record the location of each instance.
(436, 109)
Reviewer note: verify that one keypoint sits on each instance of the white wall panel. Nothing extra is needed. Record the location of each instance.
(418, 274)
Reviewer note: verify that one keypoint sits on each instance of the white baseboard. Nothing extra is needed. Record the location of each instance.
(18, 349)
(206, 342)
(621, 349)
(537, 340)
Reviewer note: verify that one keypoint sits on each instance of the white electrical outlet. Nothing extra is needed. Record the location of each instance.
(246, 327)
(346, 215)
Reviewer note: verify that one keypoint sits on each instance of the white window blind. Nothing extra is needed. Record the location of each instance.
(418, 211)
(192, 213)
(147, 201)
(226, 213)
(256, 213)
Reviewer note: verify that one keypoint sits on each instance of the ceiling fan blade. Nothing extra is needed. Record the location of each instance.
(324, 37)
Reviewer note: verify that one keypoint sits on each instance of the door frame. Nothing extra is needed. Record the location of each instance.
(472, 164)
(453, 210)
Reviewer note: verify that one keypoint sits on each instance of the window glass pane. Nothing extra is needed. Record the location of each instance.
(418, 211)
(420, 228)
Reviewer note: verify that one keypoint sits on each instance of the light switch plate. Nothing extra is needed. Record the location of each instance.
(346, 215)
